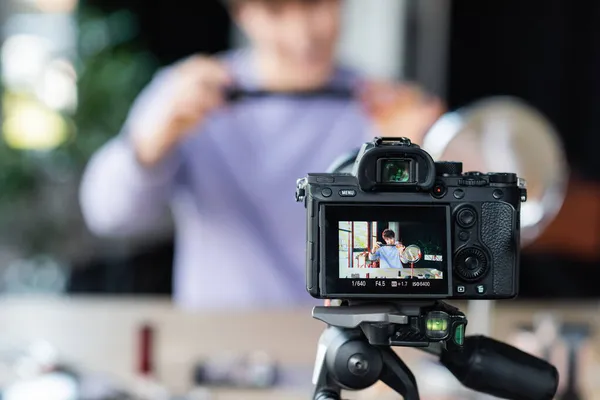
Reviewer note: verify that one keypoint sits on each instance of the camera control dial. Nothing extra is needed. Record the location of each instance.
(472, 181)
(448, 168)
(470, 264)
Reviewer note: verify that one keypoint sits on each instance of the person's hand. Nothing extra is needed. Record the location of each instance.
(401, 110)
(376, 247)
(195, 89)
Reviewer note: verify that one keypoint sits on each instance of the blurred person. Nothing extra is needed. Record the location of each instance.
(388, 254)
(228, 170)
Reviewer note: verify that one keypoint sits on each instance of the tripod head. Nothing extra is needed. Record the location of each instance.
(355, 352)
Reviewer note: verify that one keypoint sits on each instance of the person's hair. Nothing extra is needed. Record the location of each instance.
(389, 234)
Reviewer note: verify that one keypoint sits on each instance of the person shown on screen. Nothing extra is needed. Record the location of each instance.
(228, 168)
(389, 254)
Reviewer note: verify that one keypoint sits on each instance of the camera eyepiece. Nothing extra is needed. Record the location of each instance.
(394, 164)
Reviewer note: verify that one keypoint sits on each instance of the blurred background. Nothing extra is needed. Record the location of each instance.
(72, 68)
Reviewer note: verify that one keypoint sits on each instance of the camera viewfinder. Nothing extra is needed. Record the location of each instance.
(396, 171)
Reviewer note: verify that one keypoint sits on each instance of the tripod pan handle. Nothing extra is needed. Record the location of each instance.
(503, 371)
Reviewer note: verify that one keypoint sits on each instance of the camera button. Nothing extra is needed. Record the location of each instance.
(460, 289)
(347, 193)
(481, 289)
(464, 236)
(459, 194)
(327, 192)
(498, 194)
(439, 190)
(466, 218)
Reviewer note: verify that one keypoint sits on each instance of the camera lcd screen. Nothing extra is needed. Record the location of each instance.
(396, 250)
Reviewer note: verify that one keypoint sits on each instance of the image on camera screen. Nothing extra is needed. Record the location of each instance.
(390, 250)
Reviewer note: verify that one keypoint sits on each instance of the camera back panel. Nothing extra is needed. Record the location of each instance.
(483, 232)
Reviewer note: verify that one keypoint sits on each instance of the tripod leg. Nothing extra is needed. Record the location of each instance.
(345, 360)
(325, 389)
(327, 396)
(398, 376)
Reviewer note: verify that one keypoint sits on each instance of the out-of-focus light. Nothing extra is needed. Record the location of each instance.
(58, 86)
(54, 6)
(24, 58)
(31, 126)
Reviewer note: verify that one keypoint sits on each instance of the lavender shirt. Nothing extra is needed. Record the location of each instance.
(240, 235)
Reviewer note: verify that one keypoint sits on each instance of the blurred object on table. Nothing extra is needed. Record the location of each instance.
(199, 394)
(53, 386)
(574, 336)
(35, 372)
(566, 345)
(539, 338)
(101, 387)
(256, 371)
(148, 386)
(546, 330)
(504, 134)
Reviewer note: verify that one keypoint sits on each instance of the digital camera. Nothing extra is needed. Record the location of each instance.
(402, 226)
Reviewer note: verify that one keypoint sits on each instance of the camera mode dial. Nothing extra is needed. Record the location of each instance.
(470, 264)
(504, 178)
(448, 168)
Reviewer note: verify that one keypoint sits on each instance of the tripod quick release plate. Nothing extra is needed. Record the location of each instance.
(400, 324)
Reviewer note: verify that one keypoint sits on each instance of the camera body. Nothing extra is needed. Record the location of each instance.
(402, 226)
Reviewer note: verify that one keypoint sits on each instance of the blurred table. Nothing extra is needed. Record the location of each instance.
(100, 334)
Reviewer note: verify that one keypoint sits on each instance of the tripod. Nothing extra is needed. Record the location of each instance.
(355, 352)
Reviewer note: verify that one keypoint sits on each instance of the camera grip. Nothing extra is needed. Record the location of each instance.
(498, 235)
